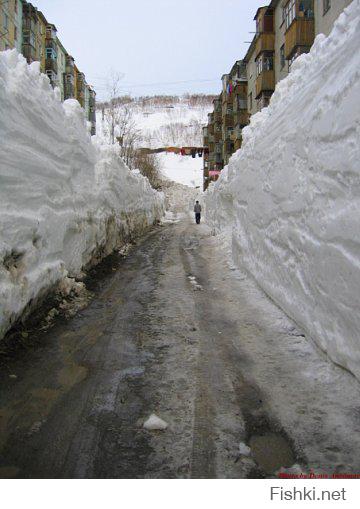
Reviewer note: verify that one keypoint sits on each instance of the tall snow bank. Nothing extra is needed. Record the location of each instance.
(65, 201)
(292, 193)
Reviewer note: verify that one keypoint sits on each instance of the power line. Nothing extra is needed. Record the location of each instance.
(137, 85)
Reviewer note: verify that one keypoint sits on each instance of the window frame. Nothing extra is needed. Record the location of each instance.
(289, 13)
(326, 6)
(282, 57)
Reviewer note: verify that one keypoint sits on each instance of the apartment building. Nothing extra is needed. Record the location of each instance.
(61, 66)
(51, 55)
(239, 96)
(25, 28)
(284, 30)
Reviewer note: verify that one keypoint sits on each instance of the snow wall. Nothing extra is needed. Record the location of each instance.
(65, 201)
(291, 195)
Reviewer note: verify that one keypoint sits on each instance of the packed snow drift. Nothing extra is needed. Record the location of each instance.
(292, 193)
(65, 200)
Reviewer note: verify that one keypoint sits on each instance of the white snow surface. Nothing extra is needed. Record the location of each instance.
(291, 195)
(66, 201)
(182, 169)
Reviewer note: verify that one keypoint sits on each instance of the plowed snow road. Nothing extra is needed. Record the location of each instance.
(178, 332)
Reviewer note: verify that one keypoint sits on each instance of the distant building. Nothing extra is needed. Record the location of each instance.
(61, 67)
(25, 28)
(69, 77)
(284, 30)
(51, 55)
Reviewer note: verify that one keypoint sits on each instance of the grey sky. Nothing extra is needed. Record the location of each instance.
(155, 43)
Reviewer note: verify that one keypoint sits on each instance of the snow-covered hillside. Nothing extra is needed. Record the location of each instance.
(168, 121)
(292, 193)
(65, 201)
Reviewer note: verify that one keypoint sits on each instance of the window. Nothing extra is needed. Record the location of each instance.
(289, 13)
(306, 8)
(15, 33)
(264, 63)
(242, 103)
(292, 59)
(50, 53)
(282, 56)
(6, 22)
(326, 6)
(259, 66)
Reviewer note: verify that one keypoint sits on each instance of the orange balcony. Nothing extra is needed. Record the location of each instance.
(228, 120)
(241, 117)
(217, 136)
(300, 33)
(265, 82)
(264, 42)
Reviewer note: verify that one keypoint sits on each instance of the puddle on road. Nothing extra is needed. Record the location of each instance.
(271, 452)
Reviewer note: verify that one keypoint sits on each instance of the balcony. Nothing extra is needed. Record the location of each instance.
(217, 136)
(265, 82)
(51, 44)
(228, 120)
(51, 65)
(211, 138)
(238, 133)
(241, 117)
(299, 34)
(217, 116)
(264, 42)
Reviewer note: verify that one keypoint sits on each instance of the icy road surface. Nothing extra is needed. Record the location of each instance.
(174, 330)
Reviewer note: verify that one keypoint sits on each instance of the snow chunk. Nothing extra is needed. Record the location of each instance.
(154, 423)
(244, 450)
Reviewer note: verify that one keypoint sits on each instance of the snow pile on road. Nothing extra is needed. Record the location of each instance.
(292, 193)
(65, 201)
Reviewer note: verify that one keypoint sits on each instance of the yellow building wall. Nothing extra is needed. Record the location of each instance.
(6, 37)
(40, 42)
(76, 70)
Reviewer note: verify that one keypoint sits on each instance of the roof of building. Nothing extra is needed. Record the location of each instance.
(42, 17)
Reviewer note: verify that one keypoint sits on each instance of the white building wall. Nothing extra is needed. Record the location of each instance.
(325, 21)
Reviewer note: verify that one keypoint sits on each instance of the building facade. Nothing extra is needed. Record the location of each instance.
(61, 65)
(25, 28)
(11, 13)
(284, 30)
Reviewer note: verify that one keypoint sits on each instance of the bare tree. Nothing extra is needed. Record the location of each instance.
(111, 112)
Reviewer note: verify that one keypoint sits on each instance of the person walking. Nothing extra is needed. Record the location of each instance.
(197, 210)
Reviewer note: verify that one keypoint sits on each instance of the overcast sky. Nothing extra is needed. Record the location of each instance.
(161, 46)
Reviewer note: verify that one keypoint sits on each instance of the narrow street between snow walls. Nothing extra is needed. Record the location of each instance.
(138, 343)
(175, 370)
